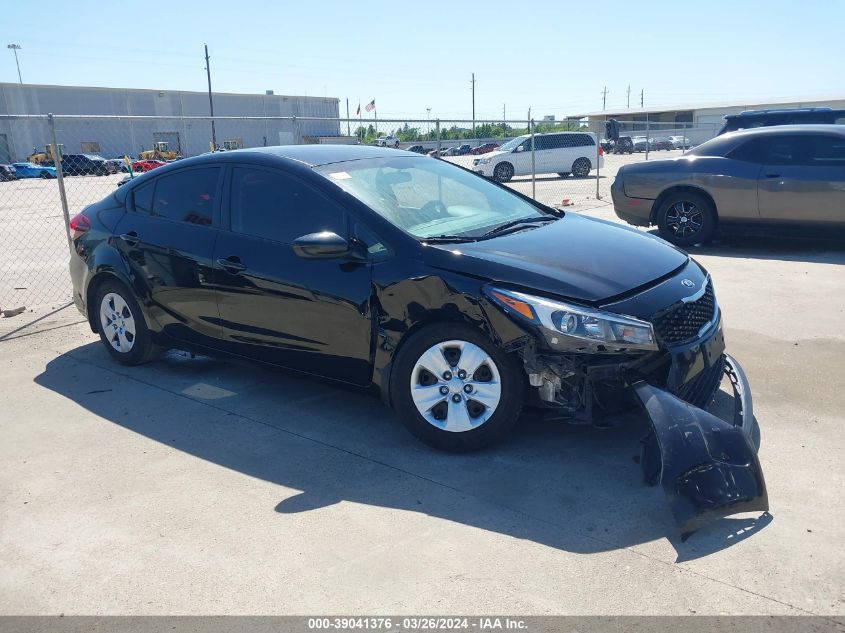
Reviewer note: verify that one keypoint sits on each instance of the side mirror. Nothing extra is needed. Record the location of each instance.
(326, 245)
(519, 148)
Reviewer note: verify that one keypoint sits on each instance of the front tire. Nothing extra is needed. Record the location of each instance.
(454, 389)
(121, 325)
(686, 219)
(503, 172)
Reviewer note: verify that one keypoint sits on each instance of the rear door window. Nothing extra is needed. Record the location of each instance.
(824, 151)
(187, 196)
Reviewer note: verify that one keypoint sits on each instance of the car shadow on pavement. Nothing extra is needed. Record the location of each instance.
(574, 488)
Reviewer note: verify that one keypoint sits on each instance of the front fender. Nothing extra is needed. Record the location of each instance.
(708, 467)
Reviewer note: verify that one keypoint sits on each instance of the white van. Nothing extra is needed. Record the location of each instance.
(561, 153)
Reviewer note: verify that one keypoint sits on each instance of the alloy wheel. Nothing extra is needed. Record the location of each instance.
(456, 386)
(117, 322)
(684, 219)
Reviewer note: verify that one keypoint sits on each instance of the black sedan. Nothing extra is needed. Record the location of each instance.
(456, 299)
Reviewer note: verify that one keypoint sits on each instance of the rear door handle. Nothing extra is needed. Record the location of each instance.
(130, 238)
(772, 175)
(231, 264)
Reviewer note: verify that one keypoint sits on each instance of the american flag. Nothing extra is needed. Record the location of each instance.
(371, 106)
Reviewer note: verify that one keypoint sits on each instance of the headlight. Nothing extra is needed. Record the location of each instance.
(483, 161)
(566, 325)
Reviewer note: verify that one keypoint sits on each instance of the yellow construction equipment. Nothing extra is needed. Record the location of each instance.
(160, 151)
(46, 157)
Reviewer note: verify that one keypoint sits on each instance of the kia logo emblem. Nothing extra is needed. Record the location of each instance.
(689, 283)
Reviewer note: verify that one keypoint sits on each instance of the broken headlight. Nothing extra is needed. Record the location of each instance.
(568, 325)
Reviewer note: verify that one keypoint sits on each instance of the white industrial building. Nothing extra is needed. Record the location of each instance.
(113, 137)
(698, 122)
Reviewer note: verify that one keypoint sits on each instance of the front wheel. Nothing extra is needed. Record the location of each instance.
(686, 218)
(454, 389)
(581, 168)
(503, 172)
(45, 175)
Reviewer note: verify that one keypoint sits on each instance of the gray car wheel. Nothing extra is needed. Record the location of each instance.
(581, 168)
(686, 218)
(503, 172)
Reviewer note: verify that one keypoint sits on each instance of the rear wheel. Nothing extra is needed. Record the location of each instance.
(503, 172)
(121, 325)
(686, 218)
(581, 167)
(454, 389)
(45, 175)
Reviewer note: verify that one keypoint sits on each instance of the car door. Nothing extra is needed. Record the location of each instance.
(520, 157)
(167, 238)
(803, 180)
(307, 314)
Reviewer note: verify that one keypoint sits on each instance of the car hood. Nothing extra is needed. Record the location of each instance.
(577, 257)
(493, 154)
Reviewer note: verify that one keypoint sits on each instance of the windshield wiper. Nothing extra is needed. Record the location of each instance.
(503, 228)
(448, 239)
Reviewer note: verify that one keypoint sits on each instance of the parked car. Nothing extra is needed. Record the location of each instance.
(117, 165)
(606, 145)
(794, 116)
(623, 145)
(463, 150)
(147, 165)
(483, 149)
(680, 142)
(418, 149)
(554, 152)
(7, 172)
(641, 143)
(455, 298)
(31, 170)
(786, 176)
(661, 143)
(386, 141)
(85, 164)
(449, 151)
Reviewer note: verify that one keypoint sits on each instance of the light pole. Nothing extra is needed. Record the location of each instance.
(15, 48)
(428, 118)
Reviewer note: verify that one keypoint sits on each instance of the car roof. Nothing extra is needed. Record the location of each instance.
(817, 128)
(776, 111)
(315, 155)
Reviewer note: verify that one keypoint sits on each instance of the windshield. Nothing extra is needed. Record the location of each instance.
(511, 145)
(429, 198)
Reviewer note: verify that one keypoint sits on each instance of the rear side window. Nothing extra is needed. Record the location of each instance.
(825, 151)
(143, 198)
(280, 207)
(784, 150)
(187, 196)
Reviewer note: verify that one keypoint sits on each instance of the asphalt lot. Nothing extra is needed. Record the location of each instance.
(194, 485)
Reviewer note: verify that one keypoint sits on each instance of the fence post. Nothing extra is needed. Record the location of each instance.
(647, 135)
(60, 179)
(533, 166)
(598, 164)
(437, 130)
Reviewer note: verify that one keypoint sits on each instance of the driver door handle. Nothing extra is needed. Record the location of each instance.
(772, 175)
(231, 264)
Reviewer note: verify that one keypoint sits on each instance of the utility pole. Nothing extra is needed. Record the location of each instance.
(473, 105)
(210, 100)
(642, 95)
(629, 96)
(604, 98)
(348, 133)
(428, 123)
(15, 48)
(504, 117)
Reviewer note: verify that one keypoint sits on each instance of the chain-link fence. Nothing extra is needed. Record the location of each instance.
(565, 163)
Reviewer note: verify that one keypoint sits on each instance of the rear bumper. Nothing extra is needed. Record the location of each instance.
(636, 211)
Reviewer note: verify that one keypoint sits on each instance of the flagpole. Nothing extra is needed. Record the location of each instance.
(375, 116)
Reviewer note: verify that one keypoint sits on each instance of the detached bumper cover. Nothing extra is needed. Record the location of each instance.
(708, 467)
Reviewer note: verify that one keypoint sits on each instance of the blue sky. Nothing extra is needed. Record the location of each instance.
(413, 55)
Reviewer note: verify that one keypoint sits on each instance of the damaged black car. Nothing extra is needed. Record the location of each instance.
(455, 298)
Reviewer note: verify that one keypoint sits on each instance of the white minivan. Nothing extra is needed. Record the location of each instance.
(561, 153)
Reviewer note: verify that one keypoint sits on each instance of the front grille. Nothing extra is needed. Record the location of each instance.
(681, 321)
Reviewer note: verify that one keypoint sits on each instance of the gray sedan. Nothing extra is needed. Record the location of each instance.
(790, 176)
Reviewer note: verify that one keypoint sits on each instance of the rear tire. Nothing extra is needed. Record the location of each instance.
(581, 167)
(503, 172)
(121, 325)
(686, 218)
(463, 362)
